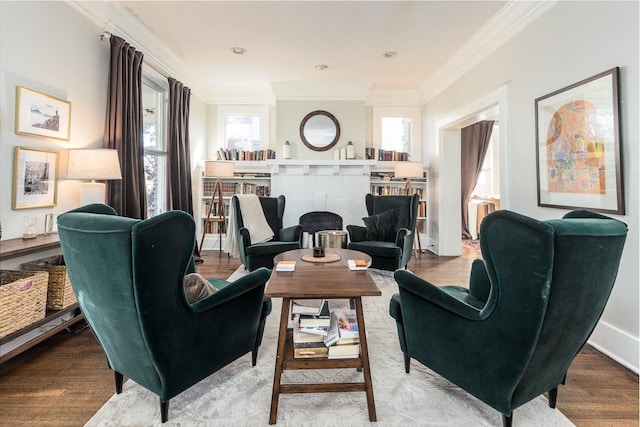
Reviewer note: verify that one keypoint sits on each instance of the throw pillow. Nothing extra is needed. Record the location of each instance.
(196, 287)
(381, 227)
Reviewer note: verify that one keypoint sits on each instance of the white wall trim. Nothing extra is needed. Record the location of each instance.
(617, 344)
(509, 21)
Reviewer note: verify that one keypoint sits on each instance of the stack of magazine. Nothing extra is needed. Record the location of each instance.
(331, 334)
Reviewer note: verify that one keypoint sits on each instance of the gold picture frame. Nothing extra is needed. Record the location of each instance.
(35, 178)
(42, 115)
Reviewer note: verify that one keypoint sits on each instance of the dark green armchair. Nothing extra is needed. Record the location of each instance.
(387, 239)
(530, 307)
(256, 255)
(128, 274)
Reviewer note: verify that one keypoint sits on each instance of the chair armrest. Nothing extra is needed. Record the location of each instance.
(244, 284)
(409, 282)
(357, 233)
(290, 234)
(244, 238)
(479, 283)
(405, 242)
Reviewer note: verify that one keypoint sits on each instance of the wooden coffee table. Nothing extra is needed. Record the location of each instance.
(312, 281)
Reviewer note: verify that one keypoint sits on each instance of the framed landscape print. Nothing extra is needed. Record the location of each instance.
(42, 115)
(578, 146)
(35, 179)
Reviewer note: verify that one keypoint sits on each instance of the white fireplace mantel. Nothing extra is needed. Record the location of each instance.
(321, 167)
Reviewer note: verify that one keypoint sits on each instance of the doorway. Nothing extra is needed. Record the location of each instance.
(493, 106)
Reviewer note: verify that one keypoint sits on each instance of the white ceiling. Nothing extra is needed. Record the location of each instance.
(285, 40)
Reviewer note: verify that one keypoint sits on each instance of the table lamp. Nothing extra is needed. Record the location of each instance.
(408, 170)
(215, 169)
(100, 164)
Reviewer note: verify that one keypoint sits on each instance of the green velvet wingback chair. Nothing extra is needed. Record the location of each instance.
(256, 255)
(128, 274)
(394, 252)
(530, 307)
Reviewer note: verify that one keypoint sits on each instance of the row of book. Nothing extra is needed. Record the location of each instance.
(391, 190)
(385, 155)
(231, 188)
(331, 334)
(245, 155)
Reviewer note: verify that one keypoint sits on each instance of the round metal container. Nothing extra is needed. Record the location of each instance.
(332, 239)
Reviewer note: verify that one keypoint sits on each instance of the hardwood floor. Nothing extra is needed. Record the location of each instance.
(64, 380)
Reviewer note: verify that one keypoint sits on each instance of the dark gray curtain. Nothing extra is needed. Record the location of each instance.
(123, 129)
(178, 154)
(475, 140)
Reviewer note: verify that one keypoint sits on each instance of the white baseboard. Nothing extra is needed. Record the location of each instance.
(617, 344)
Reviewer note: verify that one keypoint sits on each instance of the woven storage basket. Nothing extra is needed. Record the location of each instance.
(23, 299)
(59, 293)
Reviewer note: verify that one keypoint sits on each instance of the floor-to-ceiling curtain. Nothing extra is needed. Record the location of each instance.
(179, 193)
(123, 129)
(474, 143)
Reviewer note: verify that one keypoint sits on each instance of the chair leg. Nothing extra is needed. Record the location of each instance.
(507, 420)
(254, 356)
(553, 397)
(407, 362)
(119, 380)
(164, 411)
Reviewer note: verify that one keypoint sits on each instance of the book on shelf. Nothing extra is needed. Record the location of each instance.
(307, 306)
(334, 335)
(286, 266)
(357, 264)
(343, 351)
(311, 349)
(319, 320)
(347, 323)
(300, 332)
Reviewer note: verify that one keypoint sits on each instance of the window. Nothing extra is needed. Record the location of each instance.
(243, 128)
(398, 129)
(154, 117)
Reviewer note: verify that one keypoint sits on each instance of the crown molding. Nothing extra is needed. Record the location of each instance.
(509, 21)
(115, 19)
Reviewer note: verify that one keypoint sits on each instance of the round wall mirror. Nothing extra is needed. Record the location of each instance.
(319, 130)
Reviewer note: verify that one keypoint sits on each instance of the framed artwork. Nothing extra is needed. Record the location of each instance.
(42, 115)
(578, 146)
(35, 180)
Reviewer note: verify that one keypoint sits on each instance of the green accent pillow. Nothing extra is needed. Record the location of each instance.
(381, 227)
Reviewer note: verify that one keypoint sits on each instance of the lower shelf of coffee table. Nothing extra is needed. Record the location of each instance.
(291, 362)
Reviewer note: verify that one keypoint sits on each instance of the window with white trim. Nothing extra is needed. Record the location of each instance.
(398, 129)
(154, 125)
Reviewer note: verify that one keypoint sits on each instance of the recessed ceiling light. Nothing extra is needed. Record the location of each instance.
(238, 50)
(390, 54)
(321, 67)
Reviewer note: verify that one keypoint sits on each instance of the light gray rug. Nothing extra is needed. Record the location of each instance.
(239, 395)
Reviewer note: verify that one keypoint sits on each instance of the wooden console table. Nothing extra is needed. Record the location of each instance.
(14, 248)
(312, 281)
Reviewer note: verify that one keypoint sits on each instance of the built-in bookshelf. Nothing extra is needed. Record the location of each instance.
(215, 229)
(382, 183)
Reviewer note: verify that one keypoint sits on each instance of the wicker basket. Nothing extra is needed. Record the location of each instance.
(59, 293)
(23, 298)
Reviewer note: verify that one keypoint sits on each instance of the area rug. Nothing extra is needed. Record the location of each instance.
(239, 395)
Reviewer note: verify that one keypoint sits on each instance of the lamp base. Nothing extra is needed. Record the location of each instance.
(92, 192)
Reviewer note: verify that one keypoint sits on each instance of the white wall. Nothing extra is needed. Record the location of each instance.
(545, 57)
(350, 116)
(49, 47)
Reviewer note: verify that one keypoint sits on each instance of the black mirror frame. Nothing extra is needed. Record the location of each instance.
(319, 113)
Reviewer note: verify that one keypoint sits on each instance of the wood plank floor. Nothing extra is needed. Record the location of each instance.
(64, 380)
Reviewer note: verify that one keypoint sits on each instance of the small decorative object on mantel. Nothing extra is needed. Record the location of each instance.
(351, 153)
(286, 150)
(29, 222)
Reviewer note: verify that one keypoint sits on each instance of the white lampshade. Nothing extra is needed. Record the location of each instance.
(408, 170)
(99, 163)
(218, 169)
